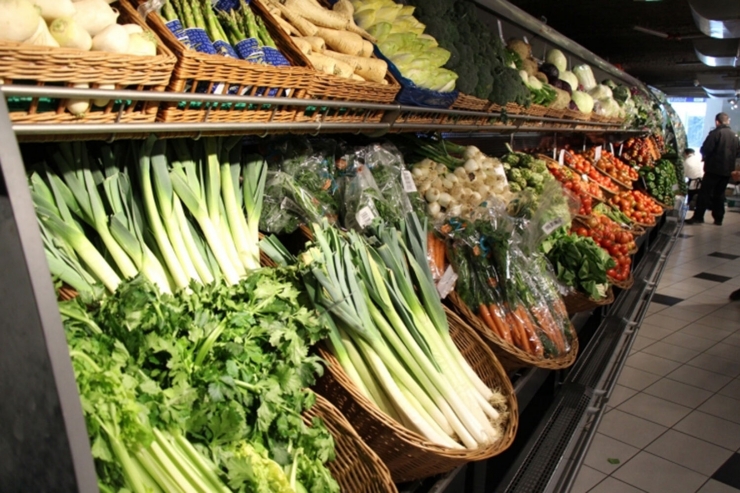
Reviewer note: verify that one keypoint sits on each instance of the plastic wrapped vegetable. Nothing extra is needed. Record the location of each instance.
(585, 77)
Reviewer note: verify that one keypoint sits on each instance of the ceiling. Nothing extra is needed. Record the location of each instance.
(606, 27)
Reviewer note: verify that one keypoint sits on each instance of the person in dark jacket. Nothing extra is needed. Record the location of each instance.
(719, 151)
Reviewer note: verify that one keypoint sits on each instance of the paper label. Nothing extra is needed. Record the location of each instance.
(620, 149)
(552, 225)
(554, 153)
(597, 154)
(501, 32)
(674, 187)
(407, 180)
(584, 177)
(611, 147)
(447, 282)
(561, 158)
(365, 216)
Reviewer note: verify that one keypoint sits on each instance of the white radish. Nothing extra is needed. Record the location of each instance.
(456, 209)
(100, 102)
(144, 44)
(69, 34)
(94, 15)
(420, 172)
(19, 20)
(433, 208)
(42, 36)
(461, 173)
(447, 184)
(424, 186)
(444, 199)
(432, 194)
(471, 166)
(53, 9)
(112, 39)
(452, 177)
(132, 28)
(78, 107)
(470, 152)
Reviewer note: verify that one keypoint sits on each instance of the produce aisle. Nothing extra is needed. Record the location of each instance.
(672, 423)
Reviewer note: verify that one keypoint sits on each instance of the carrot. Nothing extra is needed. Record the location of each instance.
(499, 319)
(547, 325)
(520, 335)
(531, 331)
(441, 258)
(486, 316)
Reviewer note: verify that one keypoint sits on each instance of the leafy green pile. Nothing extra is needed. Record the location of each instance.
(660, 180)
(225, 367)
(525, 172)
(579, 263)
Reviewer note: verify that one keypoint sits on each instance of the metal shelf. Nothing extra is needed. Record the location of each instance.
(398, 118)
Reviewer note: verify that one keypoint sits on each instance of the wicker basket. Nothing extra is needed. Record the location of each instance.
(408, 455)
(577, 302)
(43, 65)
(510, 356)
(577, 115)
(197, 72)
(470, 103)
(356, 467)
(554, 113)
(514, 109)
(626, 284)
(536, 110)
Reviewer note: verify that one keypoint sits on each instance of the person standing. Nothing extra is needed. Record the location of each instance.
(719, 151)
(693, 169)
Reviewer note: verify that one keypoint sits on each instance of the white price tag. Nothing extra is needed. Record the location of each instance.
(620, 149)
(674, 187)
(611, 147)
(446, 283)
(552, 225)
(561, 158)
(584, 176)
(554, 152)
(407, 180)
(365, 216)
(501, 32)
(525, 39)
(597, 154)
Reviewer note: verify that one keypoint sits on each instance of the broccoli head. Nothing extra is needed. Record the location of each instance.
(514, 187)
(539, 166)
(485, 80)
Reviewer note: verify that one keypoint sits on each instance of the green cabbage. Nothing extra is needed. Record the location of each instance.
(585, 77)
(584, 101)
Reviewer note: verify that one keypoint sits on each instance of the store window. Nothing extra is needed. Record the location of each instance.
(692, 112)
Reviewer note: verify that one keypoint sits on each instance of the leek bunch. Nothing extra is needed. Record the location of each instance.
(390, 334)
(176, 212)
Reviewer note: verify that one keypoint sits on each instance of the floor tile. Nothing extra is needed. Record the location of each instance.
(670, 351)
(706, 332)
(690, 452)
(641, 342)
(723, 366)
(732, 389)
(666, 321)
(655, 409)
(722, 406)
(663, 299)
(711, 429)
(611, 485)
(638, 380)
(655, 475)
(620, 394)
(652, 364)
(690, 313)
(714, 320)
(689, 342)
(722, 350)
(697, 377)
(654, 332)
(630, 429)
(729, 472)
(713, 486)
(733, 339)
(679, 393)
(727, 256)
(712, 277)
(587, 479)
(607, 454)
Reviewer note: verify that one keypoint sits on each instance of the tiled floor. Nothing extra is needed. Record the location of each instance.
(673, 422)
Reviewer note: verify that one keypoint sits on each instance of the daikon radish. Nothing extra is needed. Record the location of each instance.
(367, 48)
(304, 27)
(132, 28)
(42, 36)
(94, 15)
(101, 102)
(69, 34)
(317, 44)
(316, 14)
(342, 41)
(303, 45)
(78, 107)
(368, 68)
(113, 39)
(19, 20)
(53, 9)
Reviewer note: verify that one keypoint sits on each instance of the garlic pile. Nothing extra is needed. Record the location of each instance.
(459, 192)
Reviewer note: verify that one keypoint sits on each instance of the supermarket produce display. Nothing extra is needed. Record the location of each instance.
(290, 312)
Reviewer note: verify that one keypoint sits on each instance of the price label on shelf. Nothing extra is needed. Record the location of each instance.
(561, 158)
(611, 147)
(446, 283)
(597, 154)
(408, 181)
(365, 216)
(552, 225)
(620, 149)
(584, 176)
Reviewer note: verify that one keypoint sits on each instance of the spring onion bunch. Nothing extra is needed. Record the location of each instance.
(390, 334)
(180, 213)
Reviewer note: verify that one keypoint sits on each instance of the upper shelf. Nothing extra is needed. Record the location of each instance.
(316, 116)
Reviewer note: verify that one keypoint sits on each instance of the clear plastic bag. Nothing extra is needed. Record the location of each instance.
(286, 205)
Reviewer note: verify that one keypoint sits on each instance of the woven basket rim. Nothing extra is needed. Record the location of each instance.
(414, 439)
(511, 350)
(584, 302)
(626, 284)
